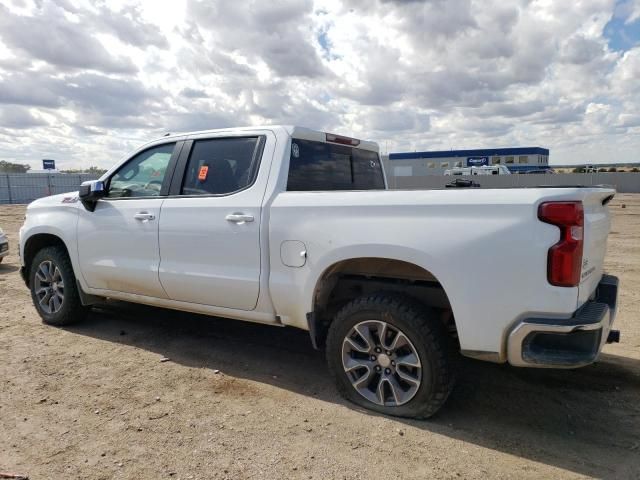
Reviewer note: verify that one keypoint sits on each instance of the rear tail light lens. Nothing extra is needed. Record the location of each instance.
(564, 260)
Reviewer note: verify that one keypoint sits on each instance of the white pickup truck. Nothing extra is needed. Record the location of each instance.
(293, 227)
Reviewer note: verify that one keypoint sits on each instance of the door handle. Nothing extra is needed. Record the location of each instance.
(239, 218)
(144, 216)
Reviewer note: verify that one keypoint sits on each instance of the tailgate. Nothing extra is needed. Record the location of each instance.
(597, 224)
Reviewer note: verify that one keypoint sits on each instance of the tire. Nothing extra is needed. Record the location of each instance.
(398, 372)
(67, 309)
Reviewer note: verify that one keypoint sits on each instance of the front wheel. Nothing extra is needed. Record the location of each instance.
(53, 288)
(389, 354)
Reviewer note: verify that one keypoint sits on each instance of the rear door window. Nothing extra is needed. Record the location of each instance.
(325, 166)
(220, 166)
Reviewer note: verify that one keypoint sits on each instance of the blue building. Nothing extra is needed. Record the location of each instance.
(517, 160)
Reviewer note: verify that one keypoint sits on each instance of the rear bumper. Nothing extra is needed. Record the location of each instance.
(570, 342)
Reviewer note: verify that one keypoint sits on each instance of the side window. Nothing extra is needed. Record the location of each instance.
(325, 166)
(221, 165)
(142, 176)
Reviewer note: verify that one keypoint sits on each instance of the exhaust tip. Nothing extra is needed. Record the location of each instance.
(614, 336)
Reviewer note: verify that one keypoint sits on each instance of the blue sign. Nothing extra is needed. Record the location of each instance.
(48, 164)
(477, 161)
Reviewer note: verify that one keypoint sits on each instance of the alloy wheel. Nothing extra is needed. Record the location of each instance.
(49, 287)
(381, 363)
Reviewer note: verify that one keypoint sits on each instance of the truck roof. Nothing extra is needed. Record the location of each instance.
(294, 131)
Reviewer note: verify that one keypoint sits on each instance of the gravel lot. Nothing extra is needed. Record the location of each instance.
(238, 400)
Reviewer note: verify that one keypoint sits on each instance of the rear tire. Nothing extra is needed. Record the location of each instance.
(407, 373)
(53, 288)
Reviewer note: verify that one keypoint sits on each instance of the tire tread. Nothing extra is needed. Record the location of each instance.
(421, 319)
(72, 311)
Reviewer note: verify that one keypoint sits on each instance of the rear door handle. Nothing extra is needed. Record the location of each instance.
(144, 216)
(239, 218)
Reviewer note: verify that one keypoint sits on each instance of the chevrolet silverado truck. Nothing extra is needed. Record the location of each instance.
(293, 227)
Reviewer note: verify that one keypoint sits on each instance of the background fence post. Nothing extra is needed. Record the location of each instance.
(9, 189)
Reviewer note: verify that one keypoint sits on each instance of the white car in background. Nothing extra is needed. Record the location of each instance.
(4, 245)
(482, 170)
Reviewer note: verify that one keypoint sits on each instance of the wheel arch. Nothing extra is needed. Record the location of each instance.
(349, 278)
(34, 244)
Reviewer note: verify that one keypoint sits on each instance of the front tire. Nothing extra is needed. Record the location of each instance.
(53, 288)
(388, 353)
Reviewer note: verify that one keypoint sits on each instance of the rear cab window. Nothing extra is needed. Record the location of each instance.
(318, 166)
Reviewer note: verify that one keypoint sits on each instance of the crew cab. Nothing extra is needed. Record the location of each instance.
(294, 227)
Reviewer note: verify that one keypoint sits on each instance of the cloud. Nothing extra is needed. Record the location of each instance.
(90, 81)
(110, 96)
(28, 89)
(384, 120)
(628, 10)
(193, 92)
(16, 117)
(580, 50)
(129, 26)
(275, 33)
(49, 36)
(439, 19)
(191, 122)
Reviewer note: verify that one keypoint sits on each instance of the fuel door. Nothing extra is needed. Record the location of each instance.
(293, 253)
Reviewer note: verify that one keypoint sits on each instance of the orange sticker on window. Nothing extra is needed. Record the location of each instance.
(202, 174)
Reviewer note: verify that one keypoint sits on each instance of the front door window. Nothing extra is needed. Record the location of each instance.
(143, 175)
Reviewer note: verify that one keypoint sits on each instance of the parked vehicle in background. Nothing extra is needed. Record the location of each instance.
(293, 227)
(482, 170)
(541, 171)
(4, 245)
(462, 183)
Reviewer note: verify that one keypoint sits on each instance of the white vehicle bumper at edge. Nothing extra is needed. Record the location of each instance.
(4, 246)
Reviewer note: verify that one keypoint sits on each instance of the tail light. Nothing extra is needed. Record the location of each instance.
(564, 260)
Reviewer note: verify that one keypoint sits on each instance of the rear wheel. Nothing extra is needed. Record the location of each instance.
(388, 353)
(53, 288)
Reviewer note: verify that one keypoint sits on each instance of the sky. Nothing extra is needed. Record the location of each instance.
(86, 83)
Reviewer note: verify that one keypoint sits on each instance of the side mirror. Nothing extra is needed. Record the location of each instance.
(90, 192)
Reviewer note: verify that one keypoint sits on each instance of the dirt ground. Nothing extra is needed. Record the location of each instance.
(238, 400)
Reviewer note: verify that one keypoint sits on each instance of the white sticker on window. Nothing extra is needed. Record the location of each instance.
(295, 150)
